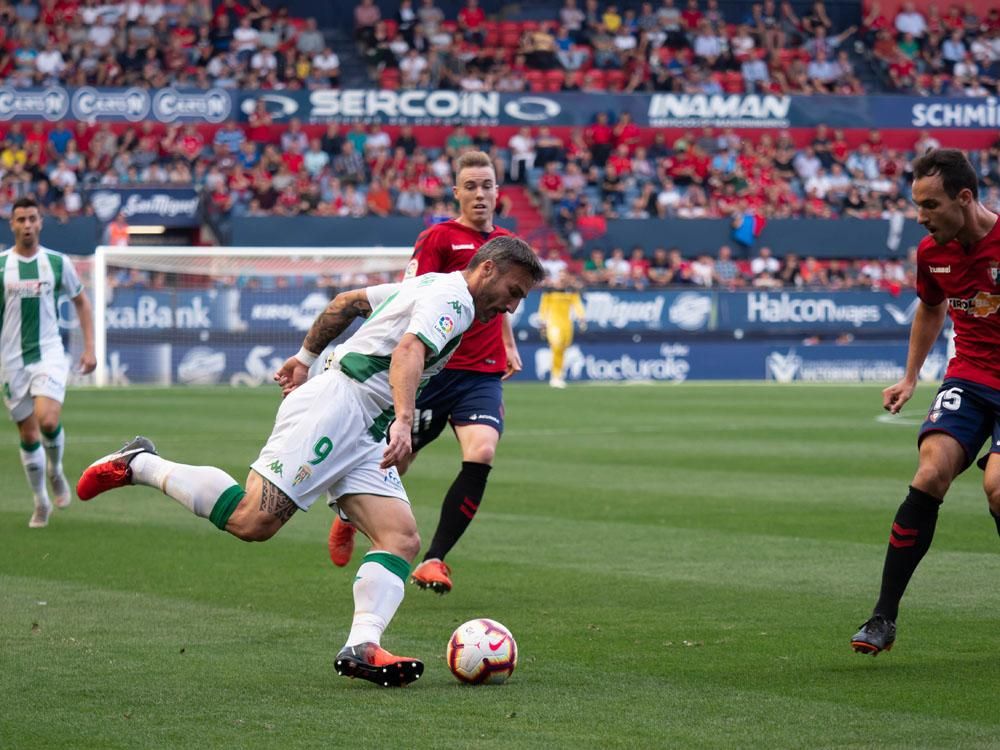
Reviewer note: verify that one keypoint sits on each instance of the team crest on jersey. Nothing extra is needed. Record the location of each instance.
(995, 272)
(302, 474)
(411, 269)
(934, 416)
(445, 324)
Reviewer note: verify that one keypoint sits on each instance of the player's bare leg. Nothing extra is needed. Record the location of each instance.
(991, 485)
(379, 589)
(33, 460)
(479, 445)
(340, 542)
(942, 458)
(253, 514)
(48, 412)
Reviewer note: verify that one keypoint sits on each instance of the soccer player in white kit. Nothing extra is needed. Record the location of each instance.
(32, 357)
(329, 436)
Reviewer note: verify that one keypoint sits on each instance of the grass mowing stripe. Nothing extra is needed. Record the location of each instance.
(682, 566)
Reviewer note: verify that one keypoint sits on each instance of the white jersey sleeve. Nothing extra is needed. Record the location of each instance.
(438, 320)
(71, 284)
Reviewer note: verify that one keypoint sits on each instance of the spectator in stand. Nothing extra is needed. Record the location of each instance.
(315, 160)
(555, 266)
(472, 23)
(349, 166)
(522, 154)
(366, 16)
(909, 20)
(326, 67)
(764, 262)
(617, 268)
(727, 273)
(595, 272)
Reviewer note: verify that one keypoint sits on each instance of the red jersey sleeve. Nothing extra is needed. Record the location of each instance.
(427, 256)
(927, 287)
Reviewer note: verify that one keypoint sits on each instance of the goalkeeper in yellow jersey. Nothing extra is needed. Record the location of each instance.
(556, 312)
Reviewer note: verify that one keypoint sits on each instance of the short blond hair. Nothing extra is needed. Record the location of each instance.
(473, 160)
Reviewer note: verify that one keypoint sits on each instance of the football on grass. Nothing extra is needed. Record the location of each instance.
(482, 652)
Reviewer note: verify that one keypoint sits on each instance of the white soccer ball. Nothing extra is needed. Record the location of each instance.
(482, 652)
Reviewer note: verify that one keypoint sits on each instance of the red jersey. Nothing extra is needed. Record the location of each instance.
(447, 247)
(970, 283)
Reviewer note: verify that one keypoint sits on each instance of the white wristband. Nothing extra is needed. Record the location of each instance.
(306, 357)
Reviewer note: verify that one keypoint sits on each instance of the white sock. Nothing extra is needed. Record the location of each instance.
(33, 462)
(54, 447)
(378, 592)
(195, 487)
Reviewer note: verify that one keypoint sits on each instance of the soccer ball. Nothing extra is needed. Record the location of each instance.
(482, 652)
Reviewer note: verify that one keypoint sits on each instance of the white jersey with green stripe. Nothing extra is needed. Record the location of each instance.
(435, 307)
(30, 289)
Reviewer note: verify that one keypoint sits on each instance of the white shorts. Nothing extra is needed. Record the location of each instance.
(321, 444)
(20, 387)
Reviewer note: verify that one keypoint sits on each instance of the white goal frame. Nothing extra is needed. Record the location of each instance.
(301, 257)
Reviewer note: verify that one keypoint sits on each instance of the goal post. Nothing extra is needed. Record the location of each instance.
(201, 315)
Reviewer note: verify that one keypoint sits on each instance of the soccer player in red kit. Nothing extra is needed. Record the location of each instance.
(468, 393)
(958, 274)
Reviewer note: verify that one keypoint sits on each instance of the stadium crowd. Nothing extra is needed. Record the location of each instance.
(579, 179)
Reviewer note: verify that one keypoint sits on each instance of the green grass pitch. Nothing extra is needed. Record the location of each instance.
(682, 566)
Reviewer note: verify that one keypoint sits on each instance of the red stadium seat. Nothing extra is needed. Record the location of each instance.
(595, 79)
(450, 26)
(614, 79)
(389, 78)
(554, 80)
(510, 39)
(535, 80)
(391, 27)
(492, 34)
(530, 25)
(732, 82)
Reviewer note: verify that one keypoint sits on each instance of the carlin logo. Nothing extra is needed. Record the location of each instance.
(532, 108)
(201, 366)
(105, 204)
(90, 104)
(170, 104)
(51, 104)
(278, 106)
(691, 311)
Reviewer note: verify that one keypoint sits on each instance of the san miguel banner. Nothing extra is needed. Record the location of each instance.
(434, 107)
(172, 207)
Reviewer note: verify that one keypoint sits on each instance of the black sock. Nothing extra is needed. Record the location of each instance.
(996, 520)
(910, 538)
(459, 507)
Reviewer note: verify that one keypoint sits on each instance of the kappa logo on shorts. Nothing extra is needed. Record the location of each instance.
(392, 477)
(276, 468)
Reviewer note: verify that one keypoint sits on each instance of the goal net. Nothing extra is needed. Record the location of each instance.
(214, 315)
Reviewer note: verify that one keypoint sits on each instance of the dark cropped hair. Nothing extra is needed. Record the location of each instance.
(25, 202)
(953, 165)
(507, 251)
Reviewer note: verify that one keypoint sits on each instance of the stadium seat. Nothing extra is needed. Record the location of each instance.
(614, 79)
(732, 82)
(595, 79)
(510, 39)
(492, 34)
(554, 80)
(535, 80)
(389, 79)
(391, 27)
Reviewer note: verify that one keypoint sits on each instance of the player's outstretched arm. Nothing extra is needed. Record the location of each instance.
(927, 324)
(514, 364)
(85, 314)
(405, 373)
(342, 310)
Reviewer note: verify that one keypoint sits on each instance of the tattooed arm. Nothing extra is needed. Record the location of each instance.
(333, 321)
